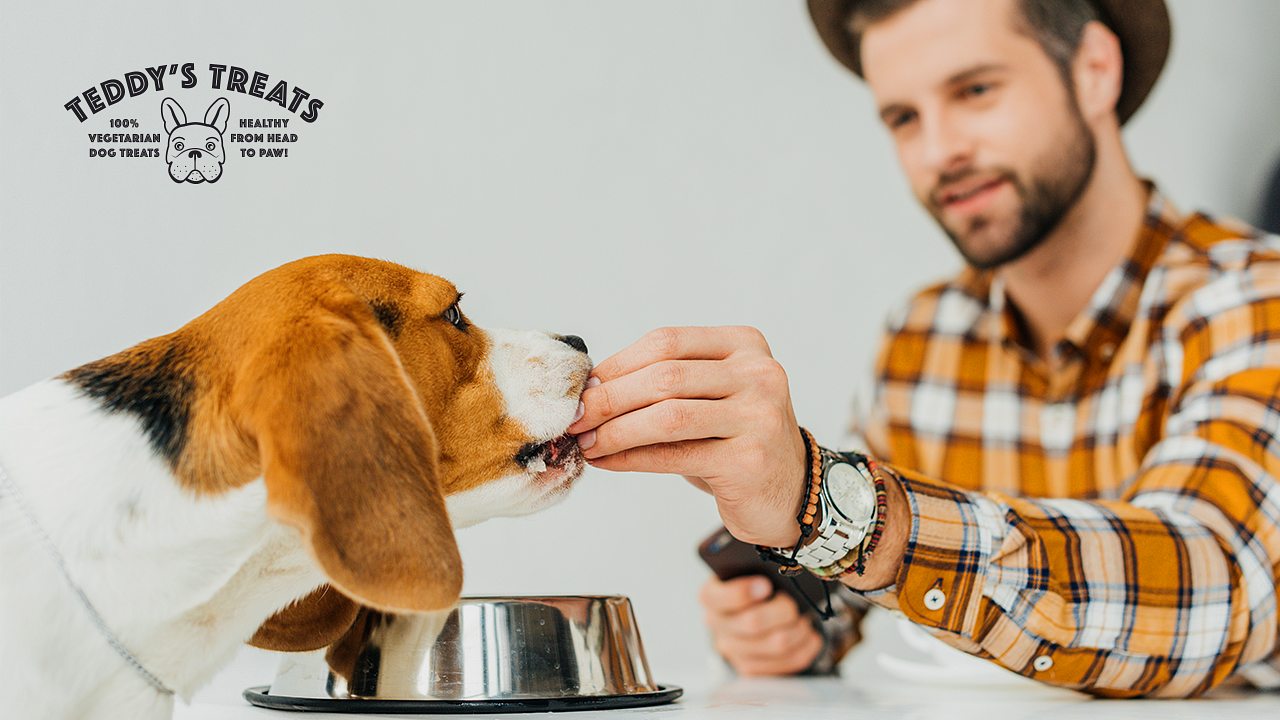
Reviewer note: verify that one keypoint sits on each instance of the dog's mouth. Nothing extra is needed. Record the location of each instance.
(560, 453)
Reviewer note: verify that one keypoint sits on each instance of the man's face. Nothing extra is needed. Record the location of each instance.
(987, 132)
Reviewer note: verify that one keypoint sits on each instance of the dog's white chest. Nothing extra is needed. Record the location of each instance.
(165, 569)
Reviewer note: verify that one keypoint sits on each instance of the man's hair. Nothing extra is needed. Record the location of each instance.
(1057, 25)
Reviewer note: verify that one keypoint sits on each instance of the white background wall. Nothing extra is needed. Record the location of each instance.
(600, 168)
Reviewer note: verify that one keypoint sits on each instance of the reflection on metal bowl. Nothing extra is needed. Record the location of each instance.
(496, 653)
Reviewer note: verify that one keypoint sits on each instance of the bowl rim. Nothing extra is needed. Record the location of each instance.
(261, 697)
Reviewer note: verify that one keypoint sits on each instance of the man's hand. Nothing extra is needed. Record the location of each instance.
(710, 404)
(758, 632)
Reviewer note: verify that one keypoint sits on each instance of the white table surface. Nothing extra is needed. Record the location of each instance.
(953, 690)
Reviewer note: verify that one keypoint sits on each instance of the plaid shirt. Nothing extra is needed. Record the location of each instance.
(1109, 519)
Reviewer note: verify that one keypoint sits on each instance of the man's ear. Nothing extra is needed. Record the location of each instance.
(349, 458)
(1097, 71)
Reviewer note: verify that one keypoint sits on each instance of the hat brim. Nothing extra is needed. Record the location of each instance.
(1142, 26)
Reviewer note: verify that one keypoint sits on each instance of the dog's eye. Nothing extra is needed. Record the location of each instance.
(454, 316)
(177, 144)
(210, 146)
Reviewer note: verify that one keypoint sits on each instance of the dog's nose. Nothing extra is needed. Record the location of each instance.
(195, 155)
(574, 342)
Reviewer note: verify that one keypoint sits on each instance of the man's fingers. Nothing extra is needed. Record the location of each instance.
(747, 607)
(758, 621)
(687, 379)
(731, 596)
(699, 483)
(785, 652)
(681, 343)
(758, 634)
(669, 422)
(774, 639)
(692, 458)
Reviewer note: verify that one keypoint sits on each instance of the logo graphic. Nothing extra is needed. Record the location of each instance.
(195, 152)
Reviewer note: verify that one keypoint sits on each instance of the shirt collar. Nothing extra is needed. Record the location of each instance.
(1098, 330)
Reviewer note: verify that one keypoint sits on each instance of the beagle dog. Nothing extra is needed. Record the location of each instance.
(301, 451)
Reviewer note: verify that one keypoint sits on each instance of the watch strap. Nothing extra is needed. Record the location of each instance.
(835, 537)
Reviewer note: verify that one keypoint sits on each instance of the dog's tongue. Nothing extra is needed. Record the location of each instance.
(558, 446)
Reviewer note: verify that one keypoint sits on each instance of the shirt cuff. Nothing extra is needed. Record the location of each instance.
(941, 579)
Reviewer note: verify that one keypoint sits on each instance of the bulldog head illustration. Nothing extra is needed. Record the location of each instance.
(195, 153)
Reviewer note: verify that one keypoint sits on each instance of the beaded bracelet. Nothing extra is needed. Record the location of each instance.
(882, 512)
(809, 513)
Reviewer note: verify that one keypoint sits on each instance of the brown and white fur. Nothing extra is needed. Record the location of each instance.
(304, 448)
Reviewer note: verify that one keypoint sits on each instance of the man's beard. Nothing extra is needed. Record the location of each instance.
(1046, 197)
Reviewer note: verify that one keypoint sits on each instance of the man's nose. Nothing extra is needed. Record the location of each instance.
(946, 144)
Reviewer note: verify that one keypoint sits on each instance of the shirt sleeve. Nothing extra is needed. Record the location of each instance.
(1164, 591)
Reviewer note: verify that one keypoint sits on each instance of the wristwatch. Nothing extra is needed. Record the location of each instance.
(847, 503)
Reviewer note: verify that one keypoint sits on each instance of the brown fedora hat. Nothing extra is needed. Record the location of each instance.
(1141, 25)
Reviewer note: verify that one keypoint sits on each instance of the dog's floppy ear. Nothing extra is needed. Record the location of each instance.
(348, 454)
(310, 623)
(343, 654)
(173, 114)
(217, 115)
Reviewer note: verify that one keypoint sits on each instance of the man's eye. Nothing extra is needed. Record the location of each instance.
(898, 120)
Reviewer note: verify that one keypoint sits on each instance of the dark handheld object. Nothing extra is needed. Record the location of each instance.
(730, 558)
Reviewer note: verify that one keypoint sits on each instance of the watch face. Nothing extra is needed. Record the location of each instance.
(850, 493)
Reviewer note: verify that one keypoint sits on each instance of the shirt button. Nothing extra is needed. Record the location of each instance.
(1042, 663)
(1058, 418)
(935, 599)
(1057, 426)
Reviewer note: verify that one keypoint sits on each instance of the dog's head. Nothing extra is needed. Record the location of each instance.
(376, 411)
(195, 153)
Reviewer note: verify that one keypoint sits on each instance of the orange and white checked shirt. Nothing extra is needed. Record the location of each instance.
(1107, 520)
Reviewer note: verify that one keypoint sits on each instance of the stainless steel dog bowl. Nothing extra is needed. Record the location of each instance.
(487, 654)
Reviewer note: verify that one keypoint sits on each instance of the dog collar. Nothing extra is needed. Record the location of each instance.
(7, 487)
